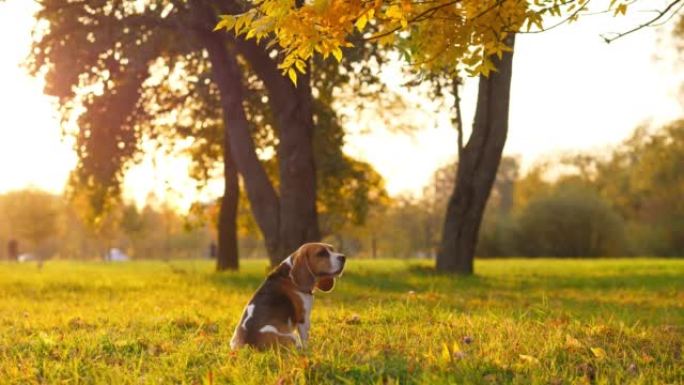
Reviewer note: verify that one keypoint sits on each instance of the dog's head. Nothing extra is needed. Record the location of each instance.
(317, 264)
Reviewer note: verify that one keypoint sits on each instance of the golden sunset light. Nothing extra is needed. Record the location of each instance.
(609, 83)
(482, 192)
(31, 150)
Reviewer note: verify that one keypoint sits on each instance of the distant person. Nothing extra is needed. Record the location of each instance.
(213, 250)
(13, 250)
(116, 255)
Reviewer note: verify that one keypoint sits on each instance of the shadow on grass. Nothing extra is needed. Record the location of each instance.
(402, 283)
(388, 368)
(396, 368)
(241, 281)
(420, 277)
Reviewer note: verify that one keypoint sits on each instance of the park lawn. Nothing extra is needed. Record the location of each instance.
(519, 321)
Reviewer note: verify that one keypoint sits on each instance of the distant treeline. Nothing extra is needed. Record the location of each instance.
(49, 226)
(626, 201)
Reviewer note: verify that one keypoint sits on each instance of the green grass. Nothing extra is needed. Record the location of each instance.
(527, 321)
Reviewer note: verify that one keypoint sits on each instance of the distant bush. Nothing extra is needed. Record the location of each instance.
(498, 237)
(570, 222)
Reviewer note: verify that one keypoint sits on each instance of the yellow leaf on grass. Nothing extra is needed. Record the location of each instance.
(647, 358)
(599, 353)
(446, 354)
(529, 359)
(572, 342)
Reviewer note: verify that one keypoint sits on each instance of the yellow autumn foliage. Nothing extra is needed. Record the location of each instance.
(440, 35)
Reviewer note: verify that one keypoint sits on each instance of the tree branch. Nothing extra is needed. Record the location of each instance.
(459, 118)
(649, 23)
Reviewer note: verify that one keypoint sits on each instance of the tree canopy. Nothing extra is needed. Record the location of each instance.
(433, 35)
(131, 74)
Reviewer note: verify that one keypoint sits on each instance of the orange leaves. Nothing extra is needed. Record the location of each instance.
(361, 22)
(572, 343)
(534, 19)
(226, 22)
(337, 53)
(394, 12)
(619, 7)
(439, 34)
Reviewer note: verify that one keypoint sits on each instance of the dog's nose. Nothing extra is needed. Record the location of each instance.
(341, 258)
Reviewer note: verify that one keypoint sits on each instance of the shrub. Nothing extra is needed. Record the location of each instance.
(498, 237)
(570, 222)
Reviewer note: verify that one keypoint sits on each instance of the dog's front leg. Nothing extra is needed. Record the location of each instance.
(303, 330)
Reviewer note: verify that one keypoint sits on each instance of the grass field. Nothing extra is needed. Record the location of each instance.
(519, 322)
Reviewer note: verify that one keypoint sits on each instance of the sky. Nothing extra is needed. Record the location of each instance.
(570, 92)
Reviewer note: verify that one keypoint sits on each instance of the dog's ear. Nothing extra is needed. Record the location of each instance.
(325, 284)
(300, 271)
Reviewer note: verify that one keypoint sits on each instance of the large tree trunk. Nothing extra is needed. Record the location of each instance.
(477, 168)
(263, 198)
(292, 109)
(227, 258)
(288, 220)
(298, 215)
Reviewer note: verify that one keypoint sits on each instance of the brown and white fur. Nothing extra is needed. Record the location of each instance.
(283, 302)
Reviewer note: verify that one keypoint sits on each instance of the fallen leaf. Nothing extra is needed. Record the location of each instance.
(446, 354)
(599, 353)
(46, 339)
(529, 359)
(646, 358)
(572, 343)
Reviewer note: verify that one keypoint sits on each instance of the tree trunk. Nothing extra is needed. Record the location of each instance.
(477, 168)
(260, 191)
(292, 109)
(227, 257)
(298, 215)
(288, 220)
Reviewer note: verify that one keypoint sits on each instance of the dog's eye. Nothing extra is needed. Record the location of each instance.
(322, 253)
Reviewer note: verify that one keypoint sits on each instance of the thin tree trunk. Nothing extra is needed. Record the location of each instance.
(477, 168)
(227, 257)
(292, 109)
(458, 116)
(260, 191)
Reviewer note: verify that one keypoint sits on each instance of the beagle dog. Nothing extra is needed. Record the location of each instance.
(283, 302)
